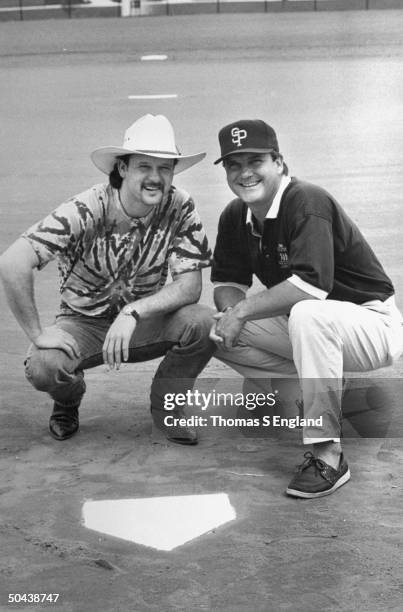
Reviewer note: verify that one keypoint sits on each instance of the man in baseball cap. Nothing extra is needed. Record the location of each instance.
(248, 136)
(115, 244)
(327, 305)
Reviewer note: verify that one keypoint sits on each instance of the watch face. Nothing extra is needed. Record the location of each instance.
(126, 310)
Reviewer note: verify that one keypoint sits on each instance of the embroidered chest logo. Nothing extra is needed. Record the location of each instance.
(282, 255)
(238, 135)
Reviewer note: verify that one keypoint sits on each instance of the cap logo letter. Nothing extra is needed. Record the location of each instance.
(238, 135)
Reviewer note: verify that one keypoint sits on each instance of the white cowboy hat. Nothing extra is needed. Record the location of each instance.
(151, 135)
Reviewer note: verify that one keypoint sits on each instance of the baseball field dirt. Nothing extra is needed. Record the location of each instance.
(331, 85)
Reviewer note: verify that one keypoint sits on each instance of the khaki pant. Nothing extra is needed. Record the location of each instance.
(318, 342)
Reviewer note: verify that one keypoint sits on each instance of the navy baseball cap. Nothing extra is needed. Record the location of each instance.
(247, 136)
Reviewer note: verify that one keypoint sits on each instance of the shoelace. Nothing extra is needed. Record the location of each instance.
(310, 459)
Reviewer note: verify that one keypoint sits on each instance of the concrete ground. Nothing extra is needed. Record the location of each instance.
(331, 86)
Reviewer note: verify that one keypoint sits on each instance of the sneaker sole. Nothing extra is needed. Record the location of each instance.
(295, 493)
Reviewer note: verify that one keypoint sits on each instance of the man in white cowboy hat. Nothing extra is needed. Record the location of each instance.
(115, 244)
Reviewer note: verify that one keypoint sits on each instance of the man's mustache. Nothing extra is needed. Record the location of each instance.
(152, 185)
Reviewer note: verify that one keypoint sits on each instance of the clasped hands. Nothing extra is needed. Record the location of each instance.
(226, 329)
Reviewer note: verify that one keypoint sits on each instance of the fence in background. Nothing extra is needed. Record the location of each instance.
(43, 9)
(11, 10)
(133, 8)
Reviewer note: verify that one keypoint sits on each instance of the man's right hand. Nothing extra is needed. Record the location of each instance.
(54, 337)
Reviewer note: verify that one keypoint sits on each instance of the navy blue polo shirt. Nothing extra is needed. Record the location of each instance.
(312, 237)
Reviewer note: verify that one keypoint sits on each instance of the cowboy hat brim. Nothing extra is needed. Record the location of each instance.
(104, 158)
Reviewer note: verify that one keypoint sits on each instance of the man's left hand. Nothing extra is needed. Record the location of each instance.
(117, 341)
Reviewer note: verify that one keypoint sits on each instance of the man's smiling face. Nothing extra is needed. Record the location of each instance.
(254, 177)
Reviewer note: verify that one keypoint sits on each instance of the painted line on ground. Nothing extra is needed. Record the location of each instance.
(152, 96)
(156, 58)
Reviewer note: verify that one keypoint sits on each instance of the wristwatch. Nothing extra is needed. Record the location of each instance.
(130, 311)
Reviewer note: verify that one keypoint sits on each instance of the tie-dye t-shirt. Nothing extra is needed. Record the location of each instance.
(107, 259)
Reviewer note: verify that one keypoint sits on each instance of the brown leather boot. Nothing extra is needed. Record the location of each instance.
(179, 434)
(63, 423)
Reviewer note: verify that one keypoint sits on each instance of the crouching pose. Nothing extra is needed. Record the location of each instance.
(328, 305)
(115, 244)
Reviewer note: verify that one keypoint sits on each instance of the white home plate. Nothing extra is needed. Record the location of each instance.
(160, 522)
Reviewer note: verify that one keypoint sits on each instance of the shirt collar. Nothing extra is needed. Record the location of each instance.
(273, 210)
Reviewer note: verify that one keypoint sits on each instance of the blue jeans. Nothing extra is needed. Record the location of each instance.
(182, 336)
